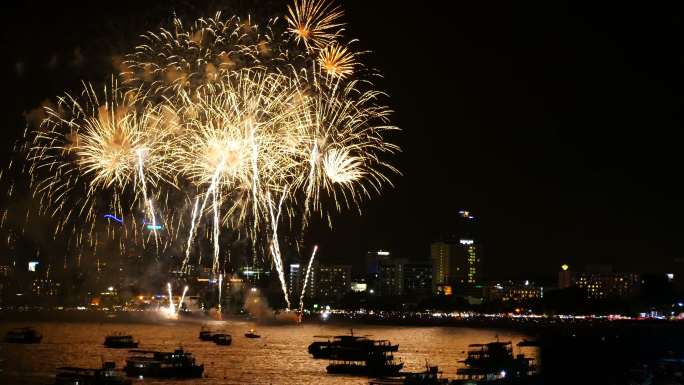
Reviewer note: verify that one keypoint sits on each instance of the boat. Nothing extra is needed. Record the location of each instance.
(25, 335)
(222, 339)
(150, 363)
(107, 375)
(120, 341)
(377, 364)
(494, 363)
(349, 345)
(431, 376)
(206, 334)
(252, 334)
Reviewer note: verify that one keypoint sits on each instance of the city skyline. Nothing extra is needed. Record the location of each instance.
(537, 160)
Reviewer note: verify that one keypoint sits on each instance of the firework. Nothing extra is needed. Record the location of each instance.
(314, 23)
(255, 126)
(337, 60)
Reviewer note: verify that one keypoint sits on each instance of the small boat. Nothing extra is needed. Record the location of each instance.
(107, 375)
(23, 336)
(120, 341)
(222, 339)
(150, 363)
(252, 334)
(206, 334)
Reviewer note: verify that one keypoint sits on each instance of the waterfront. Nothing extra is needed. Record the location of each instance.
(279, 357)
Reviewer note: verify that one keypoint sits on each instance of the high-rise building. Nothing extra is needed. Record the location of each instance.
(391, 277)
(374, 258)
(456, 257)
(295, 279)
(417, 278)
(332, 281)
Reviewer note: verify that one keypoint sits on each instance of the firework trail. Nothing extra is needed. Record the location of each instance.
(180, 304)
(306, 279)
(275, 246)
(191, 235)
(172, 308)
(220, 287)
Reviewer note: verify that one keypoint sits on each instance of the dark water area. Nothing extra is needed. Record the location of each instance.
(570, 353)
(279, 357)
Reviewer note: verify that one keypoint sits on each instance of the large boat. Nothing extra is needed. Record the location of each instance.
(493, 363)
(107, 375)
(149, 363)
(120, 341)
(375, 364)
(23, 336)
(349, 346)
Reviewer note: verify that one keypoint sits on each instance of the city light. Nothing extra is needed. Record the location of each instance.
(565, 267)
(32, 265)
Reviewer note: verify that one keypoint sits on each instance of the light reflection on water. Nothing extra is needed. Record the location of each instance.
(279, 357)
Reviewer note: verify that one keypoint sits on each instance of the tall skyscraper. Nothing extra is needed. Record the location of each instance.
(456, 260)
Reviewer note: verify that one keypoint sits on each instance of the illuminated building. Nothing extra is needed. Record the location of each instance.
(331, 281)
(391, 277)
(253, 275)
(510, 291)
(599, 282)
(565, 277)
(605, 285)
(374, 259)
(359, 286)
(456, 257)
(417, 278)
(295, 279)
(42, 287)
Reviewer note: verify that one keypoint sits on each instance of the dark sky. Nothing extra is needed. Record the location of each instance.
(557, 124)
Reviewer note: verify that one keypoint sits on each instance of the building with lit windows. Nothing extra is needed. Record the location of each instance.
(391, 277)
(417, 278)
(295, 279)
(456, 259)
(600, 281)
(331, 281)
(605, 285)
(515, 292)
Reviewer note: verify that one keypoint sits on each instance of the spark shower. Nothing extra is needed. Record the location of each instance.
(220, 124)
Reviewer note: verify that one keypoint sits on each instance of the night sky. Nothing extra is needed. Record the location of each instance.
(557, 124)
